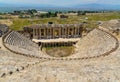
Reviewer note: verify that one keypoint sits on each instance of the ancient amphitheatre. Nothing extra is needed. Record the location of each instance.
(96, 59)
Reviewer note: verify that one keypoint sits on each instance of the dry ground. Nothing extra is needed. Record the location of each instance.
(60, 51)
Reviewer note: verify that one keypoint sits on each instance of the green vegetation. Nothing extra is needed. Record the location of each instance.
(91, 19)
(18, 24)
(29, 12)
(48, 15)
(32, 13)
(104, 16)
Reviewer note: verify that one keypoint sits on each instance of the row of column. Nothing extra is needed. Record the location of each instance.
(51, 33)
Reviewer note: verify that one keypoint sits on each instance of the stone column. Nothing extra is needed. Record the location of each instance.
(39, 33)
(53, 36)
(44, 32)
(72, 32)
(33, 33)
(63, 33)
(67, 32)
(59, 32)
(50, 33)
(47, 33)
(76, 31)
(80, 31)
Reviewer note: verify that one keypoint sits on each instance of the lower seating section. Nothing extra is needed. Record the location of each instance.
(10, 62)
(97, 70)
(20, 44)
(95, 43)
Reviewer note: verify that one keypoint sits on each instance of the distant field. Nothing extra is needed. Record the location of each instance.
(18, 24)
(7, 22)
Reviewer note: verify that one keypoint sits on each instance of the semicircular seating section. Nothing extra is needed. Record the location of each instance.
(16, 42)
(96, 43)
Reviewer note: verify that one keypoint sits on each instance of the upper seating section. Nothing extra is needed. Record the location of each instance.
(16, 39)
(20, 44)
(95, 43)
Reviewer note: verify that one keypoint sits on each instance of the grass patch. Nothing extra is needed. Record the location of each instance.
(18, 23)
(62, 51)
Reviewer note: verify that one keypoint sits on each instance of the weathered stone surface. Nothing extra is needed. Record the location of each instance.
(101, 69)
